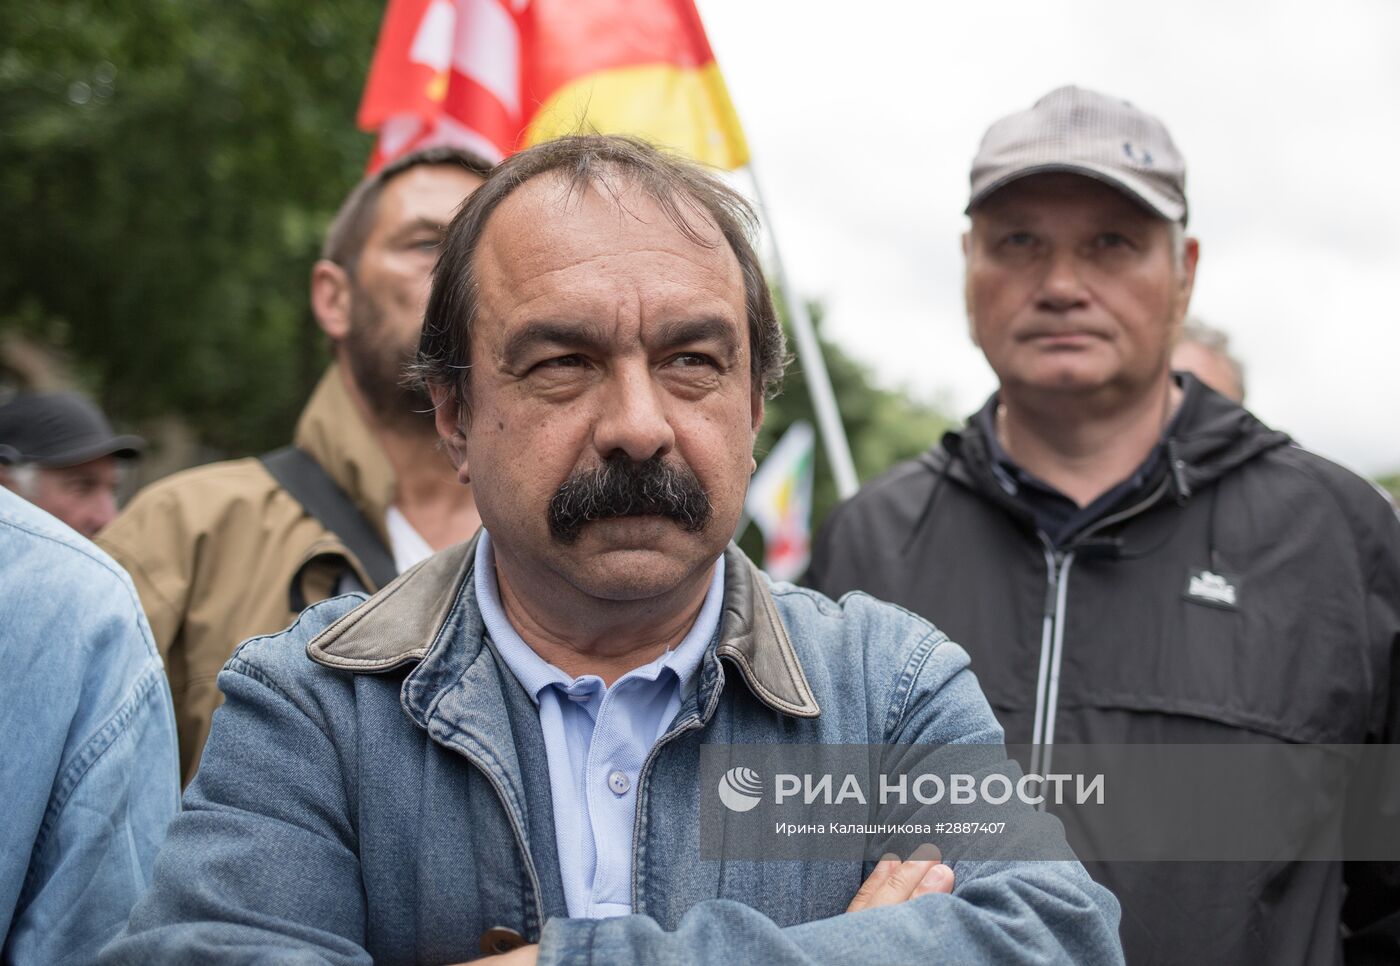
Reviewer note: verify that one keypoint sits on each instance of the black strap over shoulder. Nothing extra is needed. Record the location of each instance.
(301, 476)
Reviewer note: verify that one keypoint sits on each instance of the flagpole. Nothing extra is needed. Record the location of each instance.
(809, 353)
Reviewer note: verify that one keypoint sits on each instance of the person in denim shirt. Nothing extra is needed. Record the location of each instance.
(88, 768)
(500, 751)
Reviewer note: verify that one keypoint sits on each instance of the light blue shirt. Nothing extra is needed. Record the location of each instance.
(596, 738)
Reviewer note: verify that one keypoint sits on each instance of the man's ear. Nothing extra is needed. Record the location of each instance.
(330, 298)
(756, 410)
(1190, 258)
(447, 417)
(1186, 281)
(967, 290)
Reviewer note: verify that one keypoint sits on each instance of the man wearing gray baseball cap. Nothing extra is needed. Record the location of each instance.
(58, 451)
(1131, 558)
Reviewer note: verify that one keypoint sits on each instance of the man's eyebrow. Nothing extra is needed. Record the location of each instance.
(709, 328)
(577, 335)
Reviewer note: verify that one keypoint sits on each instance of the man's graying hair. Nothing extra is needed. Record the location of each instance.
(345, 239)
(1178, 232)
(25, 477)
(685, 192)
(1198, 332)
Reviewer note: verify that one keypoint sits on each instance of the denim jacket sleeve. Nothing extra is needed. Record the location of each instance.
(213, 898)
(89, 770)
(999, 912)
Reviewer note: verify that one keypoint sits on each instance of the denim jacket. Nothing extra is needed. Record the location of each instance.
(388, 800)
(88, 778)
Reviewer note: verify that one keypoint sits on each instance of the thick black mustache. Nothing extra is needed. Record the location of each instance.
(625, 488)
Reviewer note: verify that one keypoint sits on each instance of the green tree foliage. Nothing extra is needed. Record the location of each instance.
(883, 425)
(167, 168)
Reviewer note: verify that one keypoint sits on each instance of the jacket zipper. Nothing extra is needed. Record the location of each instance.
(1052, 633)
(517, 829)
(690, 724)
(1052, 637)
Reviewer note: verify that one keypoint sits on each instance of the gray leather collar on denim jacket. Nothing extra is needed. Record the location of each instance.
(400, 626)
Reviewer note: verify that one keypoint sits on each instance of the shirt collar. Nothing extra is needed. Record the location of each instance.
(535, 673)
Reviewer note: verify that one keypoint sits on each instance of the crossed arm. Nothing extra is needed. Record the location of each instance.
(892, 882)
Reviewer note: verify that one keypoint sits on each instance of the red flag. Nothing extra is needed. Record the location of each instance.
(498, 75)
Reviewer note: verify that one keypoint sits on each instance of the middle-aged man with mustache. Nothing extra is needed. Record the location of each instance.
(501, 748)
(1131, 558)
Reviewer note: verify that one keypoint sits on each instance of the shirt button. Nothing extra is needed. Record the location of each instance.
(619, 783)
(498, 940)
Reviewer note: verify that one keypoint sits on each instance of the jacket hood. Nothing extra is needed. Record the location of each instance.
(1211, 436)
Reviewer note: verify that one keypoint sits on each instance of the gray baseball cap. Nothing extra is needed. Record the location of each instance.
(1084, 132)
(57, 429)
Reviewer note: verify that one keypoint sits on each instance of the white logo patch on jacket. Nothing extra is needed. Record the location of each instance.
(1213, 589)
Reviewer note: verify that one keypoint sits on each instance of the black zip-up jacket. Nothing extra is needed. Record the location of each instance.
(1309, 652)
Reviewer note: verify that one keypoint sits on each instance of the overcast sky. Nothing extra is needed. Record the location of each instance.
(863, 119)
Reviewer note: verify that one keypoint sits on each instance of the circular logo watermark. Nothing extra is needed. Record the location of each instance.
(740, 789)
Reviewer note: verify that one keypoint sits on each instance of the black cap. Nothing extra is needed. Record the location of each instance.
(59, 429)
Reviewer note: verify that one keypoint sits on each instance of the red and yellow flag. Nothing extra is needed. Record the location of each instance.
(496, 76)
